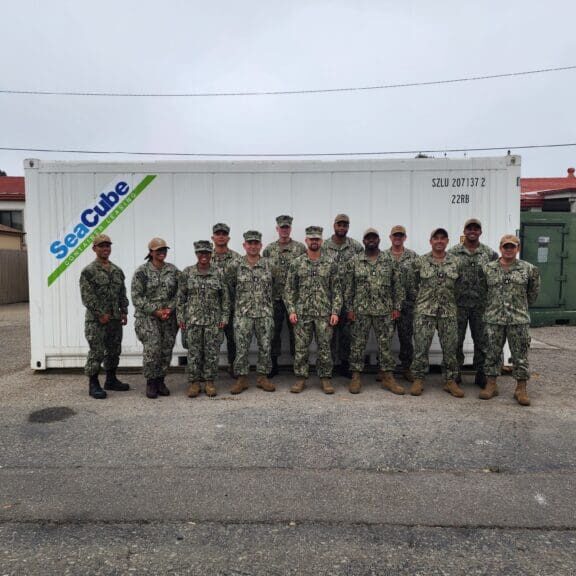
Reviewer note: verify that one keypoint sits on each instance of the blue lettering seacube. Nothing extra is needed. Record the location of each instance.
(88, 219)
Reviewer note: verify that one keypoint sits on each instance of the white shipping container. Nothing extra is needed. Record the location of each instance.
(68, 202)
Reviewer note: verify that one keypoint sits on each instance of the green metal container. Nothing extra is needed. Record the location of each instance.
(549, 242)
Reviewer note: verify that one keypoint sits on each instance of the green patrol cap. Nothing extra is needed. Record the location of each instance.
(220, 227)
(251, 235)
(314, 232)
(284, 220)
(203, 246)
(439, 231)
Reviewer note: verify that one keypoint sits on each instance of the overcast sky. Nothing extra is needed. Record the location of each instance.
(250, 45)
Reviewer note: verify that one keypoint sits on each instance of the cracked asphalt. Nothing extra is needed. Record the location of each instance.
(275, 483)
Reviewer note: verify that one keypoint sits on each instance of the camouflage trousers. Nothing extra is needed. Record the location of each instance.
(230, 343)
(304, 331)
(424, 328)
(105, 342)
(518, 336)
(405, 326)
(203, 352)
(244, 328)
(158, 338)
(474, 317)
(341, 340)
(383, 330)
(281, 316)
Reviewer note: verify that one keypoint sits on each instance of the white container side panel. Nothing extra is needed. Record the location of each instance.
(186, 199)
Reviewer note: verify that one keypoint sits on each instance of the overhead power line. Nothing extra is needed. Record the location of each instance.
(284, 155)
(281, 92)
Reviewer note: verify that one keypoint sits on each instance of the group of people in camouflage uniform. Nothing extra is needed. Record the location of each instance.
(335, 291)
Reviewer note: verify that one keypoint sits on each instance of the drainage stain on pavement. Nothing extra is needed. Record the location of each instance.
(53, 414)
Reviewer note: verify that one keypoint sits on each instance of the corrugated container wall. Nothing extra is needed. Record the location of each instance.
(180, 201)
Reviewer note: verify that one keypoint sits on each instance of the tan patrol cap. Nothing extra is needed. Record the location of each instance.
(101, 239)
(442, 231)
(471, 221)
(509, 239)
(157, 243)
(398, 229)
(369, 231)
(342, 218)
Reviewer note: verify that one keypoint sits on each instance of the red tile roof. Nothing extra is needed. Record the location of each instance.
(12, 188)
(533, 190)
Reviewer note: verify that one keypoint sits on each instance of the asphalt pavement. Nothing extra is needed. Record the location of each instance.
(277, 483)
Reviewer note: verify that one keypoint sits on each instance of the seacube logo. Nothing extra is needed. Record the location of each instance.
(94, 221)
(88, 219)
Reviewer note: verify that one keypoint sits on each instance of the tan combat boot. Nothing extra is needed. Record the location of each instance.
(210, 389)
(521, 393)
(454, 389)
(240, 385)
(490, 390)
(263, 382)
(193, 390)
(408, 375)
(389, 382)
(327, 386)
(298, 386)
(355, 384)
(417, 387)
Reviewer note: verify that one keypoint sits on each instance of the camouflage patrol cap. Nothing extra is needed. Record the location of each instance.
(284, 220)
(509, 239)
(369, 231)
(314, 232)
(220, 227)
(157, 243)
(252, 235)
(441, 231)
(202, 246)
(472, 221)
(398, 229)
(342, 218)
(101, 239)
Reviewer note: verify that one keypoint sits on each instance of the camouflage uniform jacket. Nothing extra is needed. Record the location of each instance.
(435, 283)
(341, 253)
(103, 291)
(252, 288)
(280, 256)
(406, 266)
(313, 287)
(470, 287)
(203, 299)
(224, 262)
(154, 288)
(373, 287)
(510, 292)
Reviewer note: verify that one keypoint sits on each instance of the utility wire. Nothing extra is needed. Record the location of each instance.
(281, 92)
(286, 155)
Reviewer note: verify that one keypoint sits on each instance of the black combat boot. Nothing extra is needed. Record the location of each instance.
(112, 383)
(161, 387)
(95, 390)
(152, 388)
(275, 371)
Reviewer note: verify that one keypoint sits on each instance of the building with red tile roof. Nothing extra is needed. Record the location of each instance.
(553, 194)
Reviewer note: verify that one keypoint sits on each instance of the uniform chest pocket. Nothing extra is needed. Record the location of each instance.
(518, 277)
(427, 272)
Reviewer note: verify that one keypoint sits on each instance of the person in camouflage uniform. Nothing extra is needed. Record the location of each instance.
(251, 282)
(405, 258)
(341, 249)
(512, 286)
(154, 289)
(373, 296)
(471, 295)
(435, 277)
(103, 291)
(281, 253)
(223, 258)
(313, 298)
(203, 311)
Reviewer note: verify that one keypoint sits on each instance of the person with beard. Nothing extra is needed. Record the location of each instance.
(373, 296)
(313, 298)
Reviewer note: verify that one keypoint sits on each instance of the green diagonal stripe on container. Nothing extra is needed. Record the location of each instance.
(100, 228)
